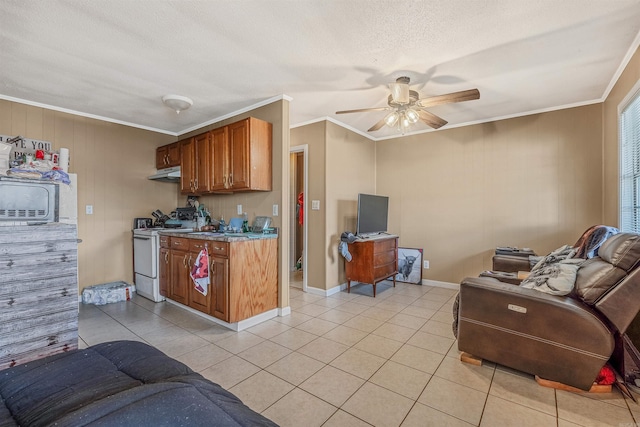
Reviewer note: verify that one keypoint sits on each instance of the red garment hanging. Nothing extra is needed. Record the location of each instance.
(300, 208)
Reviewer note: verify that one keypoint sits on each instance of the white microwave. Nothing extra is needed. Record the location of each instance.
(23, 200)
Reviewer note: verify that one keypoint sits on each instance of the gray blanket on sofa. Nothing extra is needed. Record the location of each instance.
(120, 383)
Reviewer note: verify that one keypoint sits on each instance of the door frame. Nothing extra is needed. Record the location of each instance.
(304, 149)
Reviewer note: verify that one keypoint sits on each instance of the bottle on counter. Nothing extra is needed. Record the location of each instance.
(245, 223)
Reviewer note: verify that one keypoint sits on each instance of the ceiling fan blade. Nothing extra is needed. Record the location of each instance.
(362, 110)
(377, 126)
(465, 95)
(431, 119)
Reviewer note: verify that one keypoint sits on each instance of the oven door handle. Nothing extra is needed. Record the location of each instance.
(142, 238)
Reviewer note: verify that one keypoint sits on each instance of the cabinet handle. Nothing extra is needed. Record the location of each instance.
(184, 261)
(230, 180)
(196, 183)
(217, 248)
(166, 257)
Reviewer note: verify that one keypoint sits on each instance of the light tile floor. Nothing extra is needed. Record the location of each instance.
(352, 360)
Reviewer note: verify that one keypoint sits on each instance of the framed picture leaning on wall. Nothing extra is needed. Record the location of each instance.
(409, 265)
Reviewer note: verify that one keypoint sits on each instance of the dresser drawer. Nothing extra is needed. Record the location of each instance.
(384, 245)
(197, 245)
(218, 248)
(380, 258)
(180, 243)
(384, 271)
(164, 241)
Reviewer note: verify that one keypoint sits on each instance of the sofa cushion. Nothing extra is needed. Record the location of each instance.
(595, 278)
(622, 250)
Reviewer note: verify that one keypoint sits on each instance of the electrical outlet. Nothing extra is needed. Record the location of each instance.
(315, 205)
(426, 264)
(239, 209)
(89, 209)
(275, 210)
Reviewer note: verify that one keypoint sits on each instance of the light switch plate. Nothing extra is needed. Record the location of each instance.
(89, 209)
(315, 205)
(239, 209)
(275, 210)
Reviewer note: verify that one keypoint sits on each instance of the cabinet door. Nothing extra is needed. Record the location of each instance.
(161, 157)
(173, 154)
(196, 299)
(239, 155)
(219, 287)
(220, 159)
(165, 271)
(178, 290)
(202, 160)
(187, 166)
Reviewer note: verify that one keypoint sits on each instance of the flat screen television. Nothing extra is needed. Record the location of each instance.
(373, 212)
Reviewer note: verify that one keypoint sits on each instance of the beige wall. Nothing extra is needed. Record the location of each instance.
(341, 165)
(314, 136)
(351, 169)
(112, 162)
(625, 83)
(533, 181)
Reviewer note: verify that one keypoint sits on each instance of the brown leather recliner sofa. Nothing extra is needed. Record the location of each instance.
(559, 338)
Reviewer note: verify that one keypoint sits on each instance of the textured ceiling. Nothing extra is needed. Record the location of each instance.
(115, 59)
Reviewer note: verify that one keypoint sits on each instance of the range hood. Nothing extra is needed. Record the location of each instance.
(167, 175)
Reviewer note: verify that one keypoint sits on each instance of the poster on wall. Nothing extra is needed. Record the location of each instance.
(22, 146)
(409, 265)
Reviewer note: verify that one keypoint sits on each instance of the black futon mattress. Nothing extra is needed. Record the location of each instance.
(120, 383)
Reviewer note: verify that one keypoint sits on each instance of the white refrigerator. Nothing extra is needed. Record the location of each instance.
(68, 201)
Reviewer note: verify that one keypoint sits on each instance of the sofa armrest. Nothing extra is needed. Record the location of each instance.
(557, 338)
(510, 263)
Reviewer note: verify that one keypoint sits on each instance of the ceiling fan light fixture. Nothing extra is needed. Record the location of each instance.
(399, 92)
(412, 115)
(177, 102)
(391, 119)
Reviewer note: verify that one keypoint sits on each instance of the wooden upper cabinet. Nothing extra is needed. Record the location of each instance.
(187, 165)
(203, 162)
(168, 156)
(246, 157)
(195, 164)
(220, 163)
(236, 157)
(239, 155)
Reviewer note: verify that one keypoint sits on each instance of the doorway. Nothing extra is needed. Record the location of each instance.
(298, 188)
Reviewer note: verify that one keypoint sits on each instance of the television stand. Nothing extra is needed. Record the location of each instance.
(373, 260)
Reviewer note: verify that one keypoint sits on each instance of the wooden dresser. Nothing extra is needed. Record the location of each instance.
(38, 291)
(373, 260)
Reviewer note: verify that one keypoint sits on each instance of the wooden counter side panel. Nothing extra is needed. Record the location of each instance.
(253, 282)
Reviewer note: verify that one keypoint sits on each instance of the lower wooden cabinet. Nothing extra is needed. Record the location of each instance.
(219, 287)
(196, 299)
(243, 276)
(178, 290)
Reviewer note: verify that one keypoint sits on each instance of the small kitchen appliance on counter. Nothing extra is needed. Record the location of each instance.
(261, 224)
(142, 223)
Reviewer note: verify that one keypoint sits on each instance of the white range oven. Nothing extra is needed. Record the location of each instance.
(146, 260)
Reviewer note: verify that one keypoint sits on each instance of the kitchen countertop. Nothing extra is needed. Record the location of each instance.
(220, 237)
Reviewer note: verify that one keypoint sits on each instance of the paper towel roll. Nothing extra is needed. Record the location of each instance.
(63, 161)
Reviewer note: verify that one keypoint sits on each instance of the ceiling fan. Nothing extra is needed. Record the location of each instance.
(407, 107)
